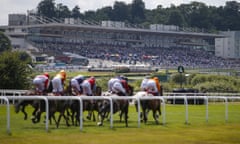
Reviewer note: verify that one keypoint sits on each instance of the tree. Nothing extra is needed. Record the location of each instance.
(14, 72)
(47, 8)
(62, 11)
(76, 12)
(120, 11)
(176, 18)
(232, 15)
(104, 13)
(137, 11)
(5, 43)
(90, 15)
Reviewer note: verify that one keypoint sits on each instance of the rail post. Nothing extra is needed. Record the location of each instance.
(34, 98)
(8, 113)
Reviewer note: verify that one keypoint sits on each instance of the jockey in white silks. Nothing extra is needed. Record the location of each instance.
(58, 83)
(144, 83)
(152, 87)
(111, 82)
(41, 83)
(118, 86)
(76, 83)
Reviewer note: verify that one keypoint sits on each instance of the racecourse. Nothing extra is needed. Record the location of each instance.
(216, 130)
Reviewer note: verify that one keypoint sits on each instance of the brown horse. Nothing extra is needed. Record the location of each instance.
(60, 106)
(21, 104)
(149, 105)
(88, 105)
(118, 106)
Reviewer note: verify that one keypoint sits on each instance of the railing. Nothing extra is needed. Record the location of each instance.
(111, 98)
(4, 92)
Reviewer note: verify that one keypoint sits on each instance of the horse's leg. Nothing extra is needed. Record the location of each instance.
(101, 117)
(52, 115)
(24, 112)
(72, 117)
(59, 119)
(144, 111)
(159, 109)
(77, 119)
(37, 117)
(126, 115)
(66, 119)
(34, 112)
(136, 106)
(120, 115)
(73, 108)
(155, 108)
(93, 115)
(155, 116)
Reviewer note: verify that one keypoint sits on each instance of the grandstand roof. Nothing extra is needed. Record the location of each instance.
(61, 26)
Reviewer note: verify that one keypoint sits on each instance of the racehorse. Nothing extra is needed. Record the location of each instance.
(54, 106)
(147, 105)
(88, 105)
(21, 105)
(118, 105)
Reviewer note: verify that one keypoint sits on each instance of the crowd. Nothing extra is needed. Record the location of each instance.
(154, 56)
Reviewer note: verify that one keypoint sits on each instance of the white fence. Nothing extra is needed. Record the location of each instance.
(163, 100)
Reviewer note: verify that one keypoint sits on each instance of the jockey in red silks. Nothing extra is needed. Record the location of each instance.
(58, 83)
(41, 83)
(88, 86)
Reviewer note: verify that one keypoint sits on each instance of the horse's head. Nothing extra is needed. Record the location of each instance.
(97, 91)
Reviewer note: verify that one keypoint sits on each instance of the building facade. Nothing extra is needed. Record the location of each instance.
(228, 47)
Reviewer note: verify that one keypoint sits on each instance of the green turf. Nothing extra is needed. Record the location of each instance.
(197, 131)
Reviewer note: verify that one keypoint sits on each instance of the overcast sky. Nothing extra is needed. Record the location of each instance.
(21, 6)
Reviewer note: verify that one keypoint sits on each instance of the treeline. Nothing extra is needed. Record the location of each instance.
(195, 14)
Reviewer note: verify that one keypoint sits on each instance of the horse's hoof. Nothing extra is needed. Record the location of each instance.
(99, 124)
(88, 117)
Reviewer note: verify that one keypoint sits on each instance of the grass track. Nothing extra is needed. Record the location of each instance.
(215, 131)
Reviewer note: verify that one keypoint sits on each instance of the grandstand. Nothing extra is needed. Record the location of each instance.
(159, 45)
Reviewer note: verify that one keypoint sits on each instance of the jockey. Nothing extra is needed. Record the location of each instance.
(41, 83)
(153, 86)
(58, 83)
(76, 82)
(120, 87)
(88, 86)
(111, 82)
(157, 84)
(144, 83)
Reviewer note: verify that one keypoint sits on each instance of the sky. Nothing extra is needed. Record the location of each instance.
(21, 6)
